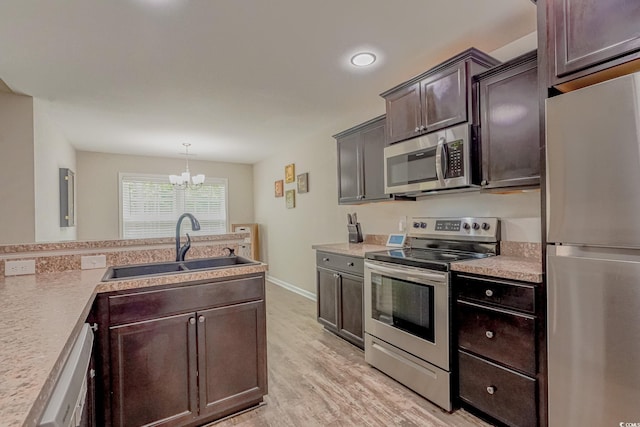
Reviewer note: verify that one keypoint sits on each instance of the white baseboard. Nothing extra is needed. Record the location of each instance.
(292, 288)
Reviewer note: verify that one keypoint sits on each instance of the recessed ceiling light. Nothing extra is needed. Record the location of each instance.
(363, 59)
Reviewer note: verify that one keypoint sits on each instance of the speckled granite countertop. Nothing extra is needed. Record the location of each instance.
(40, 317)
(506, 267)
(353, 249)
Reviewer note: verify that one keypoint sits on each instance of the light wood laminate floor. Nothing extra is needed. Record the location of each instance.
(317, 379)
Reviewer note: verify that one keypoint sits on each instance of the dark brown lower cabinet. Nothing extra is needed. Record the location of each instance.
(183, 355)
(154, 373)
(340, 295)
(232, 371)
(498, 361)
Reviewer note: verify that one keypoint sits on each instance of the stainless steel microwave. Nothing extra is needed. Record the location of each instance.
(436, 161)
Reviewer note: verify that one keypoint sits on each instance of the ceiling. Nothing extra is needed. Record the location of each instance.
(238, 79)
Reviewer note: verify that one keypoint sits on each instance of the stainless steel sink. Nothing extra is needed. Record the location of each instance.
(173, 267)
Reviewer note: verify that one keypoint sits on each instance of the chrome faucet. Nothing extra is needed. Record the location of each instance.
(195, 226)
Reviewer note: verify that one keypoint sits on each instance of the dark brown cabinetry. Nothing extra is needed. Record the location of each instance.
(340, 295)
(436, 99)
(497, 348)
(589, 36)
(508, 122)
(361, 163)
(183, 355)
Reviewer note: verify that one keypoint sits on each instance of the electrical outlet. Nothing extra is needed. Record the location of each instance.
(93, 261)
(20, 267)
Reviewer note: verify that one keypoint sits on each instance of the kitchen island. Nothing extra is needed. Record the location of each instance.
(41, 317)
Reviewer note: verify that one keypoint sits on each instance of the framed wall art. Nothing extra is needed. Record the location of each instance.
(290, 173)
(279, 188)
(303, 182)
(291, 199)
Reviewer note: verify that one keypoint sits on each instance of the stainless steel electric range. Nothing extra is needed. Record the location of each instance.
(408, 298)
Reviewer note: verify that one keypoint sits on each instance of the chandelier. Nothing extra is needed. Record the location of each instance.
(185, 180)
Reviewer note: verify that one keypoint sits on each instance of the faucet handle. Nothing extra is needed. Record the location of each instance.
(232, 252)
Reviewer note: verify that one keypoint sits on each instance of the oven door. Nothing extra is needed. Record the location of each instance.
(408, 307)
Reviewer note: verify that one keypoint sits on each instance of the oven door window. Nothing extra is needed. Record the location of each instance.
(412, 168)
(404, 305)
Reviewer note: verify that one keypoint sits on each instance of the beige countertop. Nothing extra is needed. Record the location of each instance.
(506, 267)
(353, 249)
(527, 269)
(40, 317)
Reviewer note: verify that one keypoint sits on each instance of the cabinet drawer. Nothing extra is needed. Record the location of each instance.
(517, 296)
(346, 263)
(505, 395)
(505, 337)
(149, 304)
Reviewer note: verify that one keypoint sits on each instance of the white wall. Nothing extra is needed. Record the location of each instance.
(97, 188)
(287, 234)
(16, 169)
(51, 152)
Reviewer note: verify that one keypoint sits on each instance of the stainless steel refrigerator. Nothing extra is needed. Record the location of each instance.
(593, 254)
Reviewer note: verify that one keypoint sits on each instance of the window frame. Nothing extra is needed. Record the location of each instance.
(160, 178)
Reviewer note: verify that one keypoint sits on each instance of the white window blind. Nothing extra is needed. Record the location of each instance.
(150, 206)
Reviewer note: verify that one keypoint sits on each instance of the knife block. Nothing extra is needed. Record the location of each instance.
(355, 233)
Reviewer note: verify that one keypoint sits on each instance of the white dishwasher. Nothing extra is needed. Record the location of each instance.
(67, 404)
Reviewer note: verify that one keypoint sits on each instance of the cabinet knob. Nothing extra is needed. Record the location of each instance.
(349, 264)
(336, 275)
(201, 319)
(325, 259)
(417, 129)
(488, 293)
(491, 389)
(192, 321)
(489, 334)
(484, 182)
(422, 127)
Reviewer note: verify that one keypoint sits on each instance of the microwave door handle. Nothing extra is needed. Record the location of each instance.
(440, 173)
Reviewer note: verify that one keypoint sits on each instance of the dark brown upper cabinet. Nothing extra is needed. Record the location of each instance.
(436, 99)
(508, 123)
(589, 37)
(361, 163)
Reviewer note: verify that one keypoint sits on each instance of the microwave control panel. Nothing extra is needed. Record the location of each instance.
(455, 159)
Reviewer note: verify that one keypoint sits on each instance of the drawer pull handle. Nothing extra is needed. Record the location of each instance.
(488, 293)
(349, 264)
(489, 334)
(491, 389)
(325, 259)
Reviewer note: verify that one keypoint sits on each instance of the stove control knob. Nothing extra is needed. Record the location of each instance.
(475, 226)
(485, 226)
(416, 225)
(466, 226)
(423, 225)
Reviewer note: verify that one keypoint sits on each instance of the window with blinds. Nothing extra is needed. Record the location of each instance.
(150, 206)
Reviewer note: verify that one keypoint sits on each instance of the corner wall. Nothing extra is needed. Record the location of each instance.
(51, 152)
(17, 206)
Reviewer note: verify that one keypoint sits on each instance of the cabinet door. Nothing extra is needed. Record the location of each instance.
(509, 128)
(444, 98)
(327, 294)
(351, 308)
(154, 373)
(373, 143)
(590, 32)
(349, 169)
(232, 359)
(403, 114)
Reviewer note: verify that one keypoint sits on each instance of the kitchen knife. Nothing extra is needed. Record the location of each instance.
(354, 217)
(349, 219)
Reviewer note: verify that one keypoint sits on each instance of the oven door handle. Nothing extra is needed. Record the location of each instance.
(405, 273)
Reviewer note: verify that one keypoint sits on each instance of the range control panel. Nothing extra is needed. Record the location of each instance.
(467, 228)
